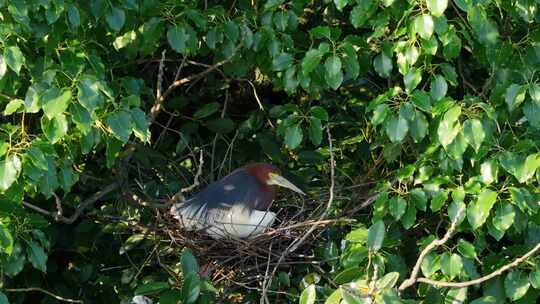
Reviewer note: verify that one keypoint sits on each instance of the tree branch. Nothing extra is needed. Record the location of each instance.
(57, 216)
(484, 278)
(435, 243)
(30, 289)
(158, 103)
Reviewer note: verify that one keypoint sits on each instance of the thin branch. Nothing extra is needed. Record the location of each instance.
(484, 278)
(330, 202)
(294, 245)
(159, 85)
(57, 216)
(435, 243)
(158, 103)
(30, 289)
(196, 181)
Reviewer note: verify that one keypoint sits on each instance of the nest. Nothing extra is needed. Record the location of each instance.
(250, 261)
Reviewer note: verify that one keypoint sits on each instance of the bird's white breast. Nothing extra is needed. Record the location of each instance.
(236, 221)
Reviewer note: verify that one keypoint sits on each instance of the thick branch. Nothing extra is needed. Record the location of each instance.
(435, 243)
(484, 278)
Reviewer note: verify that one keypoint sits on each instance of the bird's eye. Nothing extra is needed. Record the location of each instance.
(228, 187)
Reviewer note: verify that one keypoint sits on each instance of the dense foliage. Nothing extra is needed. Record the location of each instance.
(437, 101)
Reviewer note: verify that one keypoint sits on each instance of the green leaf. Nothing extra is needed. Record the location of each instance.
(232, 31)
(438, 200)
(3, 298)
(14, 58)
(430, 264)
(534, 91)
(521, 168)
(189, 263)
(449, 127)
(457, 209)
(379, 114)
(397, 128)
(451, 44)
(516, 285)
(81, 117)
(14, 263)
(308, 295)
(74, 16)
(421, 100)
(89, 94)
(3, 66)
(383, 65)
(315, 131)
(409, 218)
(418, 127)
(55, 128)
(376, 235)
(13, 105)
(485, 300)
(451, 265)
(121, 125)
(412, 79)
(467, 249)
(489, 171)
(293, 136)
(456, 296)
(397, 207)
(424, 26)
(437, 7)
(311, 60)
(192, 288)
(389, 280)
(55, 101)
(151, 288)
(419, 198)
(6, 240)
(361, 13)
(10, 168)
(177, 37)
(340, 4)
(534, 276)
(478, 211)
(221, 125)
(430, 46)
(333, 75)
(282, 61)
(474, 133)
(504, 217)
(319, 112)
(116, 18)
(206, 110)
(531, 110)
(439, 87)
(515, 95)
(350, 61)
(36, 256)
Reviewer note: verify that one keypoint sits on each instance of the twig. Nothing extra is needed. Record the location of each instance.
(30, 289)
(294, 245)
(196, 181)
(484, 278)
(214, 142)
(57, 216)
(159, 85)
(435, 243)
(158, 103)
(330, 202)
(59, 210)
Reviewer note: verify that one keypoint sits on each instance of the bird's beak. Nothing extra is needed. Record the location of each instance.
(278, 180)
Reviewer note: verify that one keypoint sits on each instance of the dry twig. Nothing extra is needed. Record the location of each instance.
(30, 289)
(484, 278)
(435, 243)
(57, 216)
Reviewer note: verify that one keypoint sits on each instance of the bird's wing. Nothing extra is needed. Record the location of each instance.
(217, 199)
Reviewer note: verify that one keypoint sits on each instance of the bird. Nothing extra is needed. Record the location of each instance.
(237, 206)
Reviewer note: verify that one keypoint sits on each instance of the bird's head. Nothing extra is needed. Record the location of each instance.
(269, 175)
